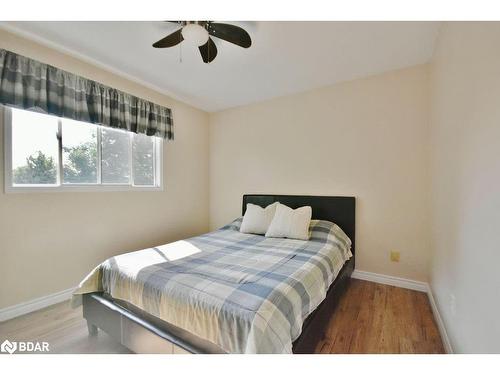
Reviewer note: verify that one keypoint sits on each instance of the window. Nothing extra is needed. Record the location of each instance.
(47, 153)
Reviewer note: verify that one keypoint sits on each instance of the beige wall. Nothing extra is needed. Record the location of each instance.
(465, 184)
(367, 138)
(49, 241)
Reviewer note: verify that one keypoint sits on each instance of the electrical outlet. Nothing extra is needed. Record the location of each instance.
(395, 256)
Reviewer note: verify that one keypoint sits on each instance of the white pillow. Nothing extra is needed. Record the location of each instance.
(257, 219)
(290, 223)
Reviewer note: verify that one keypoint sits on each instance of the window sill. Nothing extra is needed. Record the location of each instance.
(79, 189)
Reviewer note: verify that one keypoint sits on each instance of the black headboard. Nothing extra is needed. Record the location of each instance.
(340, 210)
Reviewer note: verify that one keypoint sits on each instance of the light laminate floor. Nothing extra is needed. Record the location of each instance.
(370, 318)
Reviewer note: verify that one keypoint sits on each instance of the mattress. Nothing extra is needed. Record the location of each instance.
(243, 293)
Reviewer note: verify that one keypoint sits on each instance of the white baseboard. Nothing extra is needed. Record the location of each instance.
(439, 322)
(36, 304)
(390, 280)
(414, 285)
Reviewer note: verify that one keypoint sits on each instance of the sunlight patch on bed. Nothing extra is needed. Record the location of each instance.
(177, 250)
(131, 264)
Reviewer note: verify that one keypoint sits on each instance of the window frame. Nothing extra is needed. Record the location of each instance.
(6, 116)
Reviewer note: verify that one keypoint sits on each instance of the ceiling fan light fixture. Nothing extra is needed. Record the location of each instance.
(200, 33)
(195, 34)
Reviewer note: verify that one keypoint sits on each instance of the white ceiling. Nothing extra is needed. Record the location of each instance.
(285, 57)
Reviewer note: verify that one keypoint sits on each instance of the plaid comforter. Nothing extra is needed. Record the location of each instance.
(245, 293)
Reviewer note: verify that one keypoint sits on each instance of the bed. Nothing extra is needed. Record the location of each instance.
(225, 291)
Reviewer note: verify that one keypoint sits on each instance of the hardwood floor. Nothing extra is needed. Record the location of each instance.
(376, 318)
(370, 318)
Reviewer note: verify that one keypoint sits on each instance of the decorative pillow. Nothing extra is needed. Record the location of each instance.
(257, 219)
(290, 223)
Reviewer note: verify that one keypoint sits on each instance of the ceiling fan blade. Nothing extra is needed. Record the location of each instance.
(170, 40)
(230, 33)
(208, 51)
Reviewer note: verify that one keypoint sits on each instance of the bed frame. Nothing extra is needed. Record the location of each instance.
(144, 333)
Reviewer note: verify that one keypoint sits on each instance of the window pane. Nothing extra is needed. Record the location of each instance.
(143, 159)
(34, 148)
(115, 156)
(79, 142)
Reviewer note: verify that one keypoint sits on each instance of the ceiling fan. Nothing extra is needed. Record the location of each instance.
(199, 32)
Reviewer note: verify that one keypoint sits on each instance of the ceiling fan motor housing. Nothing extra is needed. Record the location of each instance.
(195, 32)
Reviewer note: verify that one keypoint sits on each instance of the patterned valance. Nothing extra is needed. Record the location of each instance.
(32, 85)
